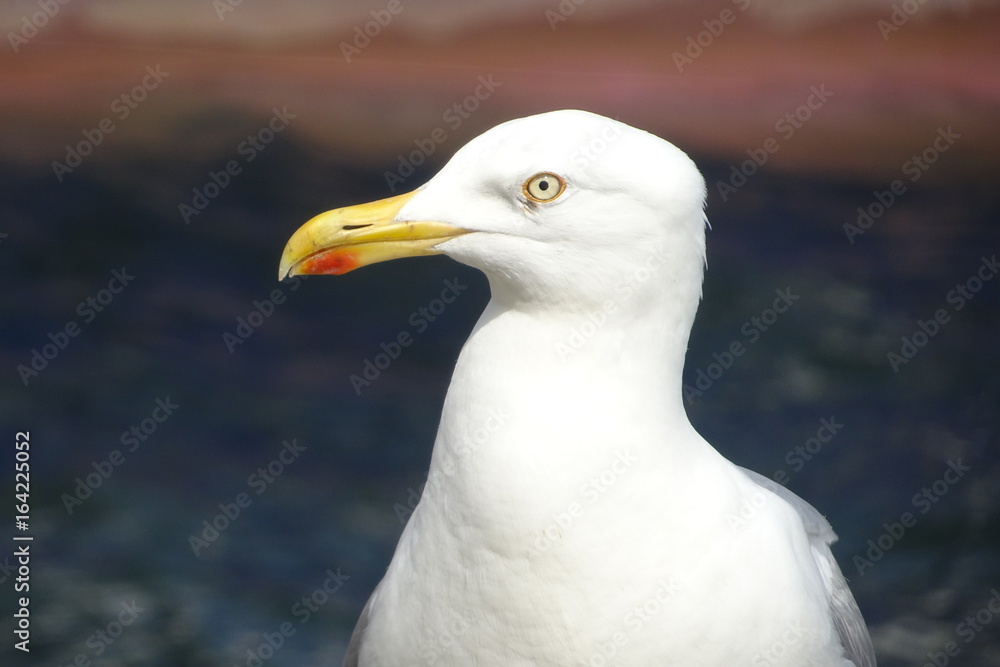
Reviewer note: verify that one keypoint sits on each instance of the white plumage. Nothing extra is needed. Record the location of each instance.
(572, 515)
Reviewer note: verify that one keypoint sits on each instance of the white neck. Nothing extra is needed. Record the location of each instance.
(502, 439)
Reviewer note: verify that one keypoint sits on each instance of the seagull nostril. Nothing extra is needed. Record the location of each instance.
(350, 227)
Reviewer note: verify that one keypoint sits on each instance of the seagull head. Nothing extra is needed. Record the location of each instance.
(565, 209)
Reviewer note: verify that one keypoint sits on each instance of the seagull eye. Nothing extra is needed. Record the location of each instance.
(543, 187)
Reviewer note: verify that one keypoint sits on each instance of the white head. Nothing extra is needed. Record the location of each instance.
(560, 210)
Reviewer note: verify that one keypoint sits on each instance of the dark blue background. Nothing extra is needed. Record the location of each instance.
(338, 506)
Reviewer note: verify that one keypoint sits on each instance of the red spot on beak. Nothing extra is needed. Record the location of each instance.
(330, 262)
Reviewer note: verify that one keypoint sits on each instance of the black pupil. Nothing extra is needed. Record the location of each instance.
(543, 185)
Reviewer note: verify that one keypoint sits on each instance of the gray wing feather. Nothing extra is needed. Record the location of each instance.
(846, 615)
(357, 637)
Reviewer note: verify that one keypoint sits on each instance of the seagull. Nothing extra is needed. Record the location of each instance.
(572, 515)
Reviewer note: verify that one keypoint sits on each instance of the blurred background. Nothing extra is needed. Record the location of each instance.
(155, 157)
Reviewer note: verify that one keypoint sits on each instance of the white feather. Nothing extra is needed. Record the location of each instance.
(572, 515)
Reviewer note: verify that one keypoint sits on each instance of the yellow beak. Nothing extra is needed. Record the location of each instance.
(344, 239)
